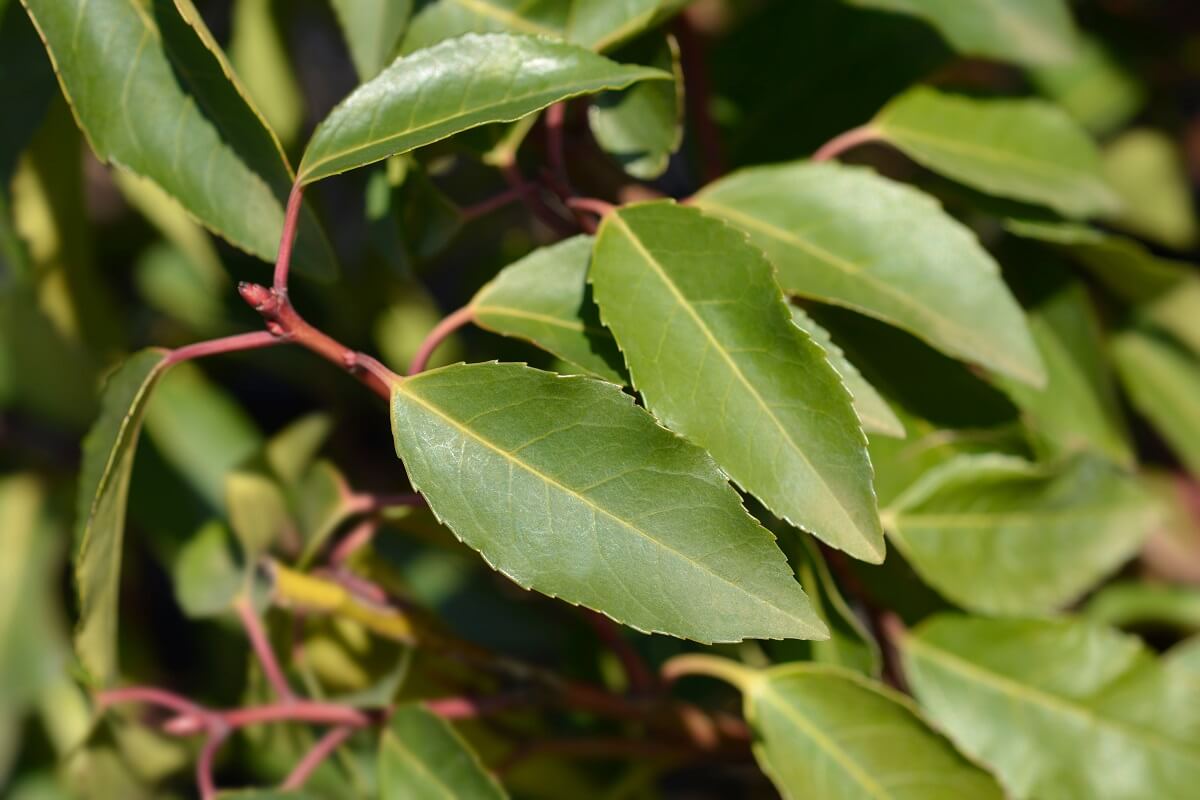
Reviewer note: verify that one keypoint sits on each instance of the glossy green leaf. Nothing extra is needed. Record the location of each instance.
(873, 411)
(596, 26)
(642, 126)
(154, 93)
(545, 298)
(999, 535)
(1022, 31)
(1058, 709)
(1078, 408)
(421, 757)
(1163, 381)
(847, 236)
(452, 87)
(567, 487)
(1147, 171)
(825, 732)
(1135, 604)
(372, 29)
(1093, 87)
(108, 452)
(710, 345)
(1027, 150)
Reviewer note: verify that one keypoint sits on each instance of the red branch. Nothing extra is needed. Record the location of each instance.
(313, 759)
(262, 650)
(228, 344)
(844, 141)
(641, 678)
(291, 220)
(439, 334)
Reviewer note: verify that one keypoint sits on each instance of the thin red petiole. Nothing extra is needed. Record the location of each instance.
(228, 344)
(484, 207)
(439, 334)
(845, 141)
(287, 241)
(641, 678)
(262, 650)
(311, 711)
(555, 117)
(204, 764)
(324, 747)
(534, 202)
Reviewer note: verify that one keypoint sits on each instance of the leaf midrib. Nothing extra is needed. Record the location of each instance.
(1014, 689)
(406, 389)
(509, 311)
(397, 747)
(736, 370)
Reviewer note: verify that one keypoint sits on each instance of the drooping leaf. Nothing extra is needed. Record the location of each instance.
(873, 411)
(998, 535)
(1092, 87)
(1058, 708)
(1163, 381)
(642, 126)
(1146, 170)
(1027, 150)
(153, 93)
(1023, 31)
(710, 345)
(826, 732)
(452, 87)
(372, 30)
(568, 488)
(545, 298)
(1136, 604)
(108, 452)
(596, 26)
(421, 757)
(1078, 408)
(847, 236)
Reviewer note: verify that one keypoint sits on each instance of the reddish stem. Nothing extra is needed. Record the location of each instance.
(475, 707)
(359, 537)
(313, 759)
(315, 712)
(596, 206)
(697, 90)
(555, 116)
(204, 764)
(533, 200)
(484, 207)
(291, 220)
(845, 141)
(438, 335)
(366, 503)
(153, 696)
(262, 650)
(641, 679)
(228, 344)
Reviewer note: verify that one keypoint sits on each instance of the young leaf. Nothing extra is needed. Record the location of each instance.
(873, 411)
(1146, 170)
(825, 732)
(153, 93)
(205, 576)
(258, 51)
(596, 26)
(1023, 31)
(568, 488)
(1028, 150)
(1078, 408)
(544, 298)
(421, 757)
(642, 126)
(999, 535)
(108, 452)
(710, 345)
(847, 236)
(372, 29)
(452, 87)
(1163, 382)
(1058, 708)
(1132, 603)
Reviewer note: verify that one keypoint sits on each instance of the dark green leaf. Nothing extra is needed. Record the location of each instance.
(847, 236)
(452, 87)
(1059, 708)
(1163, 381)
(568, 488)
(999, 535)
(421, 757)
(710, 344)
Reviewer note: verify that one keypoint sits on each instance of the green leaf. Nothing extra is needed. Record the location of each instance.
(258, 51)
(153, 93)
(567, 487)
(421, 757)
(710, 345)
(825, 732)
(1135, 604)
(596, 26)
(1059, 708)
(1147, 171)
(1078, 408)
(1163, 383)
(1022, 31)
(452, 87)
(1027, 150)
(873, 411)
(847, 236)
(1093, 87)
(544, 298)
(108, 452)
(257, 511)
(372, 29)
(999, 535)
(642, 126)
(204, 573)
